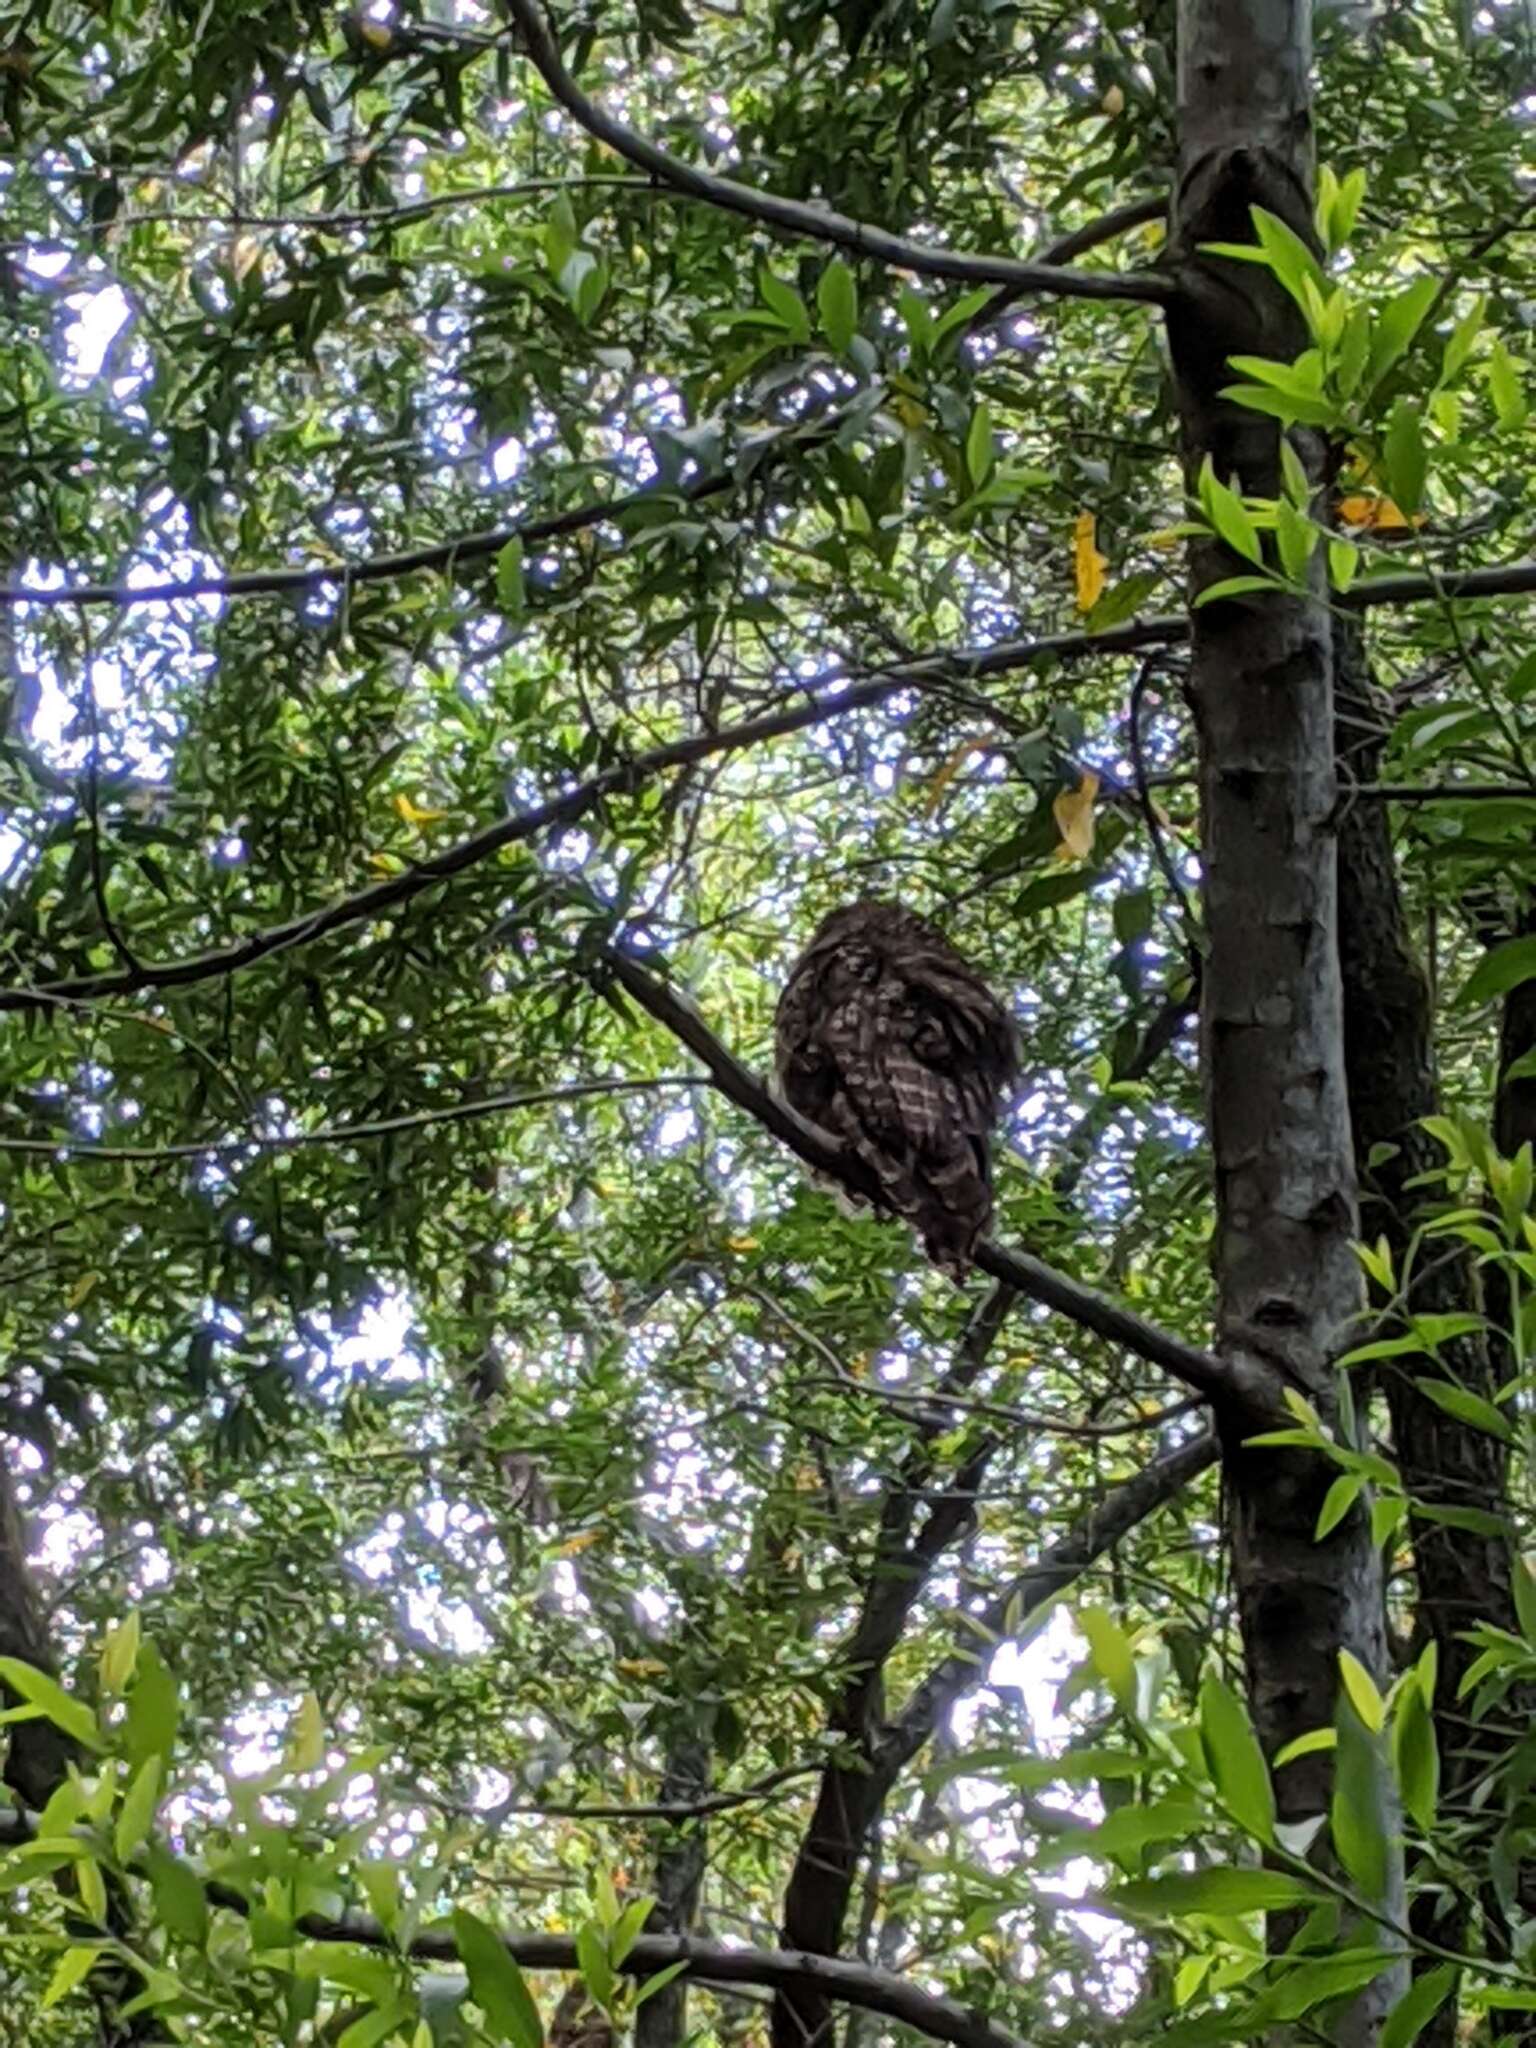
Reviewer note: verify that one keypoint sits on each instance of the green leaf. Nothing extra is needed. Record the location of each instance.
(559, 235)
(1236, 586)
(1109, 1649)
(1296, 537)
(1506, 967)
(1228, 514)
(1510, 404)
(1293, 407)
(978, 447)
(596, 1970)
(1123, 600)
(660, 1981)
(1337, 1502)
(1396, 325)
(786, 304)
(1406, 457)
(1358, 1819)
(119, 1654)
(150, 1729)
(1316, 1983)
(1220, 1891)
(1417, 2007)
(51, 1701)
(496, 1983)
(136, 1814)
(837, 303)
(511, 591)
(1360, 1689)
(1463, 335)
(1238, 1769)
(1467, 1407)
(72, 1968)
(628, 1929)
(1416, 1756)
(180, 1901)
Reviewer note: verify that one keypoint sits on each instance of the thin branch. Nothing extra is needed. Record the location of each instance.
(833, 701)
(815, 223)
(82, 1152)
(1136, 213)
(1120, 1511)
(1245, 1385)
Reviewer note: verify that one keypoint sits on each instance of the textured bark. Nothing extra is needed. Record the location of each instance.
(1272, 1021)
(1461, 1576)
(677, 1875)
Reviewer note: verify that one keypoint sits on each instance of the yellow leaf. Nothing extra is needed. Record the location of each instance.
(1165, 538)
(1113, 102)
(1073, 812)
(579, 1543)
(947, 773)
(376, 33)
(858, 1368)
(244, 255)
(640, 1667)
(741, 1244)
(81, 1289)
(1088, 564)
(416, 814)
(908, 411)
(385, 863)
(1377, 515)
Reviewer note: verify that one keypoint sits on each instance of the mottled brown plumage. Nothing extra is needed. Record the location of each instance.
(889, 1041)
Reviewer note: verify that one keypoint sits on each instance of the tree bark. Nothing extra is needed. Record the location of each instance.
(1272, 1014)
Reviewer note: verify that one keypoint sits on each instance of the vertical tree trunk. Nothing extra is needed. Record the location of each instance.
(1272, 1023)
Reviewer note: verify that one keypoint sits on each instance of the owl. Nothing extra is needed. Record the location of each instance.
(887, 1040)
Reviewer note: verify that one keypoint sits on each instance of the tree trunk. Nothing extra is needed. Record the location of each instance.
(1272, 1015)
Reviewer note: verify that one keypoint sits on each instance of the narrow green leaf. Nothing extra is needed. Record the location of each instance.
(1506, 967)
(1417, 2007)
(596, 1970)
(1294, 407)
(1462, 336)
(52, 1701)
(1225, 1891)
(1396, 325)
(628, 1929)
(1360, 1688)
(137, 1812)
(1337, 1502)
(837, 303)
(496, 1983)
(1109, 1648)
(1416, 1755)
(1330, 1977)
(511, 590)
(1406, 457)
(978, 447)
(660, 1981)
(119, 1654)
(72, 1968)
(1357, 1817)
(1510, 404)
(784, 301)
(152, 1709)
(1236, 586)
(1469, 1408)
(180, 1902)
(1237, 1764)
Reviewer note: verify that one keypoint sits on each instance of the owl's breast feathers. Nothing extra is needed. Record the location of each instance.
(886, 1039)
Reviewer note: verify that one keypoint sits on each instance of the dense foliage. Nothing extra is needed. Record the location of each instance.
(456, 1391)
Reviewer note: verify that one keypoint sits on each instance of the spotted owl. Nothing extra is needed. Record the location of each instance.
(887, 1040)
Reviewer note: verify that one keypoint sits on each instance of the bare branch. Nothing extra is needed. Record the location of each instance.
(77, 1151)
(815, 223)
(1103, 1526)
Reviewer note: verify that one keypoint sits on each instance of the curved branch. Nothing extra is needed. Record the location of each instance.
(815, 223)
